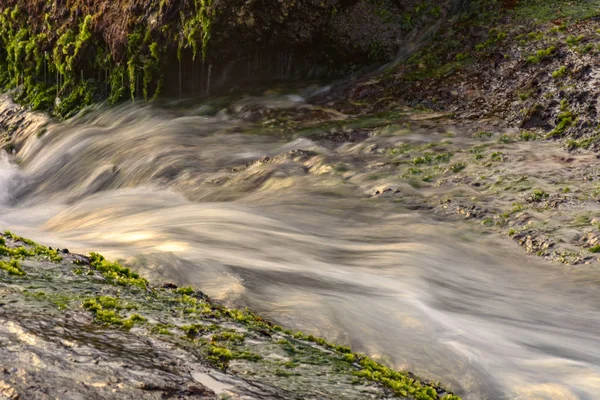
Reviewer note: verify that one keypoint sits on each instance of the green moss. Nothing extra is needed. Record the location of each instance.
(102, 302)
(487, 222)
(231, 337)
(524, 95)
(494, 37)
(516, 208)
(106, 311)
(133, 320)
(462, 56)
(528, 136)
(595, 249)
(530, 37)
(588, 48)
(60, 301)
(560, 72)
(456, 168)
(161, 329)
(191, 331)
(349, 357)
(31, 249)
(12, 267)
(541, 55)
(186, 299)
(422, 160)
(431, 158)
(247, 355)
(572, 144)
(220, 356)
(12, 236)
(565, 120)
(572, 41)
(442, 158)
(399, 383)
(505, 139)
(115, 272)
(143, 59)
(479, 149)
(185, 290)
(539, 195)
(543, 11)
(497, 156)
(483, 135)
(109, 317)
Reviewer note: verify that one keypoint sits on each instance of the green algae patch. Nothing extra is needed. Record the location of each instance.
(541, 55)
(26, 248)
(399, 383)
(12, 267)
(106, 311)
(116, 272)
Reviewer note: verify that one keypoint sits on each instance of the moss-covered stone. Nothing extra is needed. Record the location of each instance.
(63, 56)
(234, 341)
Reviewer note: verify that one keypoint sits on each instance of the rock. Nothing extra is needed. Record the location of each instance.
(168, 285)
(590, 239)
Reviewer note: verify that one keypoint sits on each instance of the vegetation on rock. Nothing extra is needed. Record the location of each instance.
(64, 65)
(184, 317)
(63, 56)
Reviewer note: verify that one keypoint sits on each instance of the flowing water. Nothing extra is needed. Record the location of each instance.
(170, 190)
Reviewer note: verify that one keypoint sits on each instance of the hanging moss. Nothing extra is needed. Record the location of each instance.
(134, 41)
(116, 82)
(197, 28)
(79, 68)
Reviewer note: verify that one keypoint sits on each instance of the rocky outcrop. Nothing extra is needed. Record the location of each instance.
(531, 66)
(63, 55)
(102, 331)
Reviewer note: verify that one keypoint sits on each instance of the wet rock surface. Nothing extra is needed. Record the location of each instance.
(76, 327)
(506, 179)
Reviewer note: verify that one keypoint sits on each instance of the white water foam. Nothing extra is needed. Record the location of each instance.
(9, 178)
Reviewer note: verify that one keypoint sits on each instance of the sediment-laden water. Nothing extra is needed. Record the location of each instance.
(299, 238)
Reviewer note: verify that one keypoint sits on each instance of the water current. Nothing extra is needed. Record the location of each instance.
(170, 190)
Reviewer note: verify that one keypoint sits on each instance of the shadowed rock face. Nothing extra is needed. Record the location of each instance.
(349, 27)
(244, 41)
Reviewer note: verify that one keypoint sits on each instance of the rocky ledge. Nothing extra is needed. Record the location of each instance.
(79, 327)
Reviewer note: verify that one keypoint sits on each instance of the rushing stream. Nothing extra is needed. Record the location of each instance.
(308, 250)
